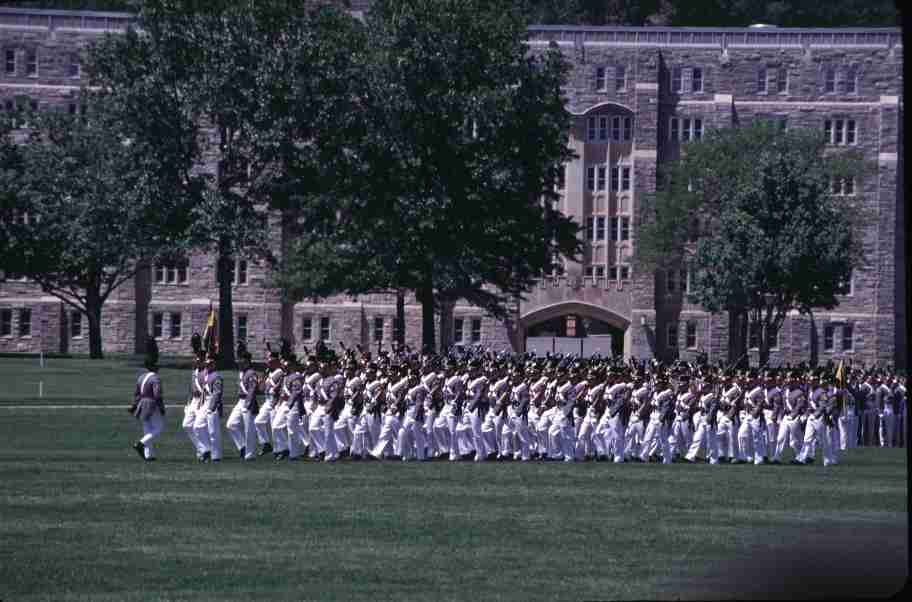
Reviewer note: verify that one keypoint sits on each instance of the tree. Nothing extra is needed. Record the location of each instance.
(759, 217)
(84, 205)
(228, 69)
(449, 188)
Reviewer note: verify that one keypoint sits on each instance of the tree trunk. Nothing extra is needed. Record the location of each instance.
(737, 341)
(93, 314)
(399, 333)
(225, 312)
(426, 297)
(446, 324)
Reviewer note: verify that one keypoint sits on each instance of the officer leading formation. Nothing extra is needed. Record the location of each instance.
(476, 405)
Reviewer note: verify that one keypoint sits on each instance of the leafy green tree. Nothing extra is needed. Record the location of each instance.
(752, 213)
(448, 190)
(84, 205)
(239, 77)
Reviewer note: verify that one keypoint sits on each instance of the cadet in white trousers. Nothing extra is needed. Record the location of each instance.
(148, 406)
(659, 422)
(615, 418)
(790, 432)
(280, 417)
(272, 390)
(752, 434)
(211, 434)
(820, 405)
(240, 421)
(705, 435)
(477, 408)
(595, 409)
(887, 422)
(194, 405)
(391, 423)
(294, 383)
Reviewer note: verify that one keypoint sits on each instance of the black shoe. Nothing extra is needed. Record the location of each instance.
(206, 457)
(216, 460)
(344, 453)
(775, 462)
(140, 449)
(149, 459)
(795, 462)
(809, 461)
(266, 449)
(243, 452)
(491, 457)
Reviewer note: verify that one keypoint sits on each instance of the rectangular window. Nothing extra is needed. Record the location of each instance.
(685, 130)
(31, 62)
(616, 128)
(625, 228)
(625, 178)
(674, 129)
(848, 341)
(241, 328)
(6, 322)
(590, 178)
(851, 83)
(159, 273)
(837, 135)
(672, 335)
(620, 78)
(378, 329)
(691, 335)
(850, 131)
(75, 324)
(603, 128)
(175, 325)
(600, 79)
(158, 325)
(773, 340)
(587, 272)
(696, 80)
(476, 330)
(601, 178)
(625, 272)
(698, 129)
(612, 272)
(828, 130)
(830, 82)
(25, 322)
(761, 81)
(628, 128)
(74, 69)
(753, 335)
(782, 80)
(458, 330)
(599, 271)
(615, 178)
(615, 228)
(828, 332)
(182, 272)
(10, 62)
(590, 228)
(846, 287)
(72, 108)
(600, 228)
(590, 129)
(240, 271)
(676, 80)
(306, 329)
(324, 328)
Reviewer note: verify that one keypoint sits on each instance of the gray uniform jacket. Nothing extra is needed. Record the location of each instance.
(147, 398)
(214, 389)
(247, 387)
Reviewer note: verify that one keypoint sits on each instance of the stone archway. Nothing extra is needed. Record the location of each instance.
(576, 308)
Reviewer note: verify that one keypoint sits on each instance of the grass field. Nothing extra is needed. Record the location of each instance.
(84, 519)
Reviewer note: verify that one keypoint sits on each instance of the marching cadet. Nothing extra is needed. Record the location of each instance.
(271, 388)
(389, 433)
(617, 415)
(240, 421)
(752, 434)
(681, 433)
(210, 434)
(445, 423)
(411, 435)
(726, 432)
(148, 406)
(498, 399)
(820, 406)
(280, 416)
(790, 432)
(595, 409)
(660, 419)
(887, 416)
(518, 413)
(344, 426)
(477, 408)
(638, 418)
(563, 430)
(293, 383)
(195, 403)
(772, 409)
(537, 409)
(707, 419)
(364, 409)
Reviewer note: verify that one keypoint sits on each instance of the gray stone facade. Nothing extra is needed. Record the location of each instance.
(642, 76)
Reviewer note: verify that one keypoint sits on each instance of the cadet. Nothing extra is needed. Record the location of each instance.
(240, 422)
(148, 406)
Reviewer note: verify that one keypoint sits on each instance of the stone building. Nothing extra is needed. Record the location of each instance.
(636, 95)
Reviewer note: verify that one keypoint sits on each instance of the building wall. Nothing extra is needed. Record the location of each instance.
(730, 60)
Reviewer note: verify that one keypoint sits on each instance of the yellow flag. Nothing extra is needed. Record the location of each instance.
(840, 374)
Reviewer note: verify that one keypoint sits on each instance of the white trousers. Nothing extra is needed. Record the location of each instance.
(585, 444)
(188, 422)
(789, 434)
(519, 425)
(280, 429)
(614, 437)
(263, 421)
(362, 440)
(243, 433)
(656, 433)
(389, 432)
(886, 428)
(634, 435)
(816, 430)
(752, 440)
(344, 429)
(465, 437)
(208, 429)
(295, 428)
(317, 430)
(445, 433)
(411, 439)
(726, 436)
(152, 429)
(847, 431)
(704, 437)
(681, 435)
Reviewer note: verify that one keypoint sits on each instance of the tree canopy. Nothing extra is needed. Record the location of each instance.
(765, 219)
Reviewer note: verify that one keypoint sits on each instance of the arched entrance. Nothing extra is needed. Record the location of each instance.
(604, 331)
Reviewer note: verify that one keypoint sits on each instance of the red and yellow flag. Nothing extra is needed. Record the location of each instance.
(210, 337)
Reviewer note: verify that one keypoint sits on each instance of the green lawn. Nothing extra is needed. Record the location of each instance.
(84, 519)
